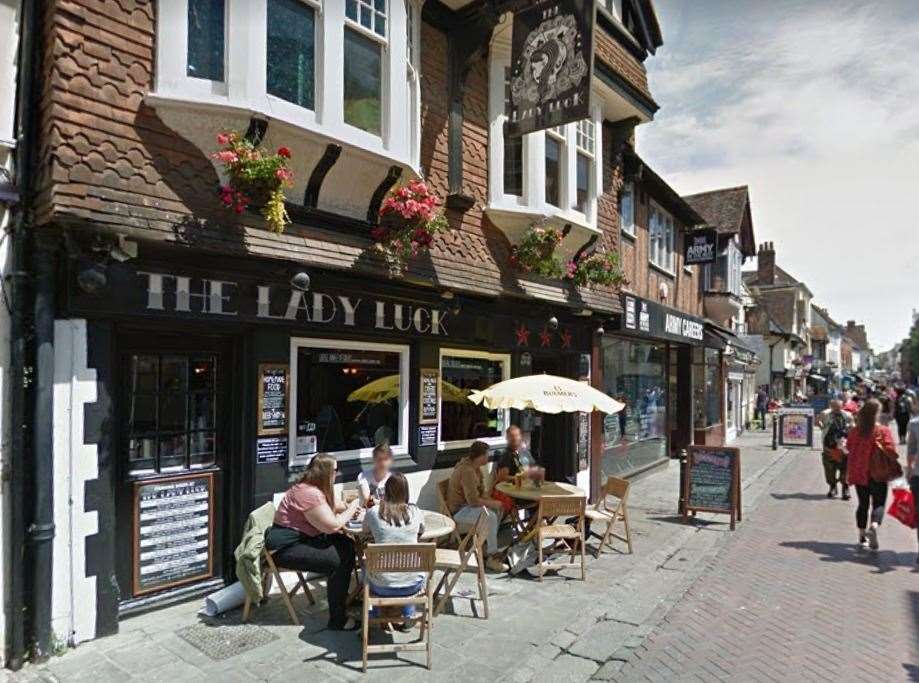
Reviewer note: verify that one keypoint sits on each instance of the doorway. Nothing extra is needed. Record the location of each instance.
(172, 453)
(554, 437)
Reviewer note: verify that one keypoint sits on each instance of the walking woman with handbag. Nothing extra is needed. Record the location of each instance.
(872, 464)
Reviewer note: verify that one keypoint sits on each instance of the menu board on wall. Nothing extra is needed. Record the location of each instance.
(272, 398)
(427, 435)
(712, 481)
(270, 449)
(429, 396)
(173, 532)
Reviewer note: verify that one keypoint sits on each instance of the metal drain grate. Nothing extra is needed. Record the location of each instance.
(223, 642)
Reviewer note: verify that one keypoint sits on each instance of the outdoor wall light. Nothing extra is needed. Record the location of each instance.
(553, 323)
(300, 281)
(91, 277)
(600, 331)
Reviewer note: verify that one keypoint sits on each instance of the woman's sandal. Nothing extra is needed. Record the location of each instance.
(351, 624)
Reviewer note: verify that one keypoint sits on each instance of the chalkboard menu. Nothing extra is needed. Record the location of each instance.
(429, 410)
(712, 481)
(173, 532)
(272, 398)
(270, 449)
(427, 435)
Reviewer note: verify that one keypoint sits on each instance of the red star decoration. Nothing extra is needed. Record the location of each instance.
(545, 338)
(566, 339)
(523, 335)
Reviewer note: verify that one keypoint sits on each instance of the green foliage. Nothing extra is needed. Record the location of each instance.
(597, 269)
(536, 251)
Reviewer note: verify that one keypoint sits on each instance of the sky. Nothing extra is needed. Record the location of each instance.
(814, 104)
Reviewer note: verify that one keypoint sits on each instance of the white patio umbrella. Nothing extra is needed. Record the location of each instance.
(547, 394)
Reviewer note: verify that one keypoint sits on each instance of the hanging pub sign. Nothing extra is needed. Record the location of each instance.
(701, 246)
(551, 65)
(712, 481)
(272, 398)
(173, 532)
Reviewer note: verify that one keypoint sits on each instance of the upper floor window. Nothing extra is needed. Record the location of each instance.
(627, 209)
(513, 149)
(555, 141)
(291, 56)
(661, 238)
(724, 275)
(585, 158)
(207, 23)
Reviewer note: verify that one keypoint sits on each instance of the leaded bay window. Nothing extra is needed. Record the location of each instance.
(365, 38)
(513, 149)
(462, 372)
(555, 142)
(291, 53)
(661, 238)
(207, 31)
(585, 157)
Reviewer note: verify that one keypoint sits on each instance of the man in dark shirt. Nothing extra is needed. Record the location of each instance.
(516, 458)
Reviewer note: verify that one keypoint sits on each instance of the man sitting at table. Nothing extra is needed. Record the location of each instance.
(515, 460)
(466, 499)
(371, 484)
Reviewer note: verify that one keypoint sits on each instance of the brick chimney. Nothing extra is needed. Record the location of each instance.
(765, 264)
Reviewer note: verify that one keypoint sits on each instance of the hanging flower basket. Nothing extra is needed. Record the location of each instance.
(535, 253)
(255, 177)
(597, 269)
(408, 221)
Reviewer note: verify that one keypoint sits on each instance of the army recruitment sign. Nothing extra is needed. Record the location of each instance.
(551, 64)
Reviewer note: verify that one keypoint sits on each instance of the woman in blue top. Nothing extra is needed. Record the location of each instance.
(394, 520)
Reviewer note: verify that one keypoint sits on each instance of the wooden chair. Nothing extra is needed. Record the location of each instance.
(274, 571)
(468, 557)
(442, 487)
(550, 509)
(413, 558)
(602, 512)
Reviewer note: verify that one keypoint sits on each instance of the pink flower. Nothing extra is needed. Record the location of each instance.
(222, 138)
(227, 156)
(284, 152)
(284, 175)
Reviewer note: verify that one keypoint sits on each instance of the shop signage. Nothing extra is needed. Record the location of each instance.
(272, 398)
(652, 319)
(173, 521)
(701, 246)
(270, 449)
(430, 396)
(427, 435)
(796, 426)
(712, 481)
(551, 62)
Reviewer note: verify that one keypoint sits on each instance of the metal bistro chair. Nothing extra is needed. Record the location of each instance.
(550, 509)
(468, 557)
(414, 558)
(602, 512)
(443, 486)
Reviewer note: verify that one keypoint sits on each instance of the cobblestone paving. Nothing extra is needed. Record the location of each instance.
(790, 598)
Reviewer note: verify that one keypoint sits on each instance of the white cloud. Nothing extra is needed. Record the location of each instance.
(815, 105)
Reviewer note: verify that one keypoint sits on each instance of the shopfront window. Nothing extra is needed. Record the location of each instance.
(462, 372)
(349, 398)
(634, 373)
(706, 387)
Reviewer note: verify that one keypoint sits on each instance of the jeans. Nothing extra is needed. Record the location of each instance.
(874, 495)
(902, 427)
(408, 611)
(329, 554)
(467, 516)
(760, 414)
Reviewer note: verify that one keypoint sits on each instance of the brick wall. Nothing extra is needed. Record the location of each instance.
(614, 55)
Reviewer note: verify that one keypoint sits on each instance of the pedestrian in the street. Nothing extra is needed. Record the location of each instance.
(762, 403)
(851, 404)
(863, 441)
(835, 423)
(912, 461)
(903, 412)
(307, 536)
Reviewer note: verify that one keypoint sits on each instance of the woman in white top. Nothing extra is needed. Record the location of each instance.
(394, 520)
(371, 485)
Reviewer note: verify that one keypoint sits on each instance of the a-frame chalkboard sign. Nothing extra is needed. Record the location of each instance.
(712, 481)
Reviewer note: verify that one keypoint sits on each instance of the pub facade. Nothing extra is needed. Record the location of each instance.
(189, 361)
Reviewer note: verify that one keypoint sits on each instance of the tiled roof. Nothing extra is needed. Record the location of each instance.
(723, 209)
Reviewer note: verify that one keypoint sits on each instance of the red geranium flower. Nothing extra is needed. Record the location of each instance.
(284, 152)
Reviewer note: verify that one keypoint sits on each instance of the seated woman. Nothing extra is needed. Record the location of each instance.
(371, 484)
(305, 535)
(466, 499)
(394, 520)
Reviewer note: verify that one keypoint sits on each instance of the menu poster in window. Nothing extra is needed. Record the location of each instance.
(272, 398)
(173, 532)
(712, 481)
(270, 449)
(429, 410)
(427, 435)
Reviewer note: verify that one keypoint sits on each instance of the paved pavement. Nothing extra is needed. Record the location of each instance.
(677, 607)
(790, 598)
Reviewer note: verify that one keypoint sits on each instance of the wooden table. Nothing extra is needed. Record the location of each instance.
(530, 492)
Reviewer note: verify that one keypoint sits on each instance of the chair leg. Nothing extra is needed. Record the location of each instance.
(306, 588)
(286, 596)
(428, 614)
(483, 584)
(448, 591)
(365, 628)
(628, 528)
(539, 550)
(605, 538)
(246, 609)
